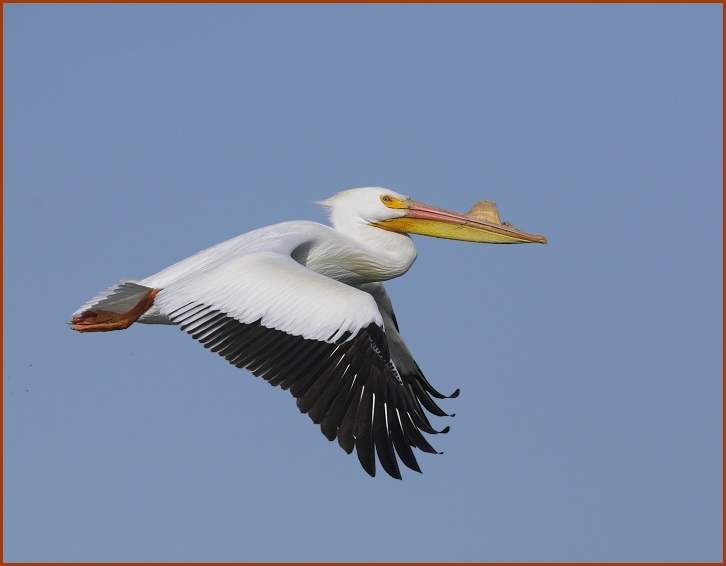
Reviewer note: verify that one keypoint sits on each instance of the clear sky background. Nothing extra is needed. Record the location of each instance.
(589, 425)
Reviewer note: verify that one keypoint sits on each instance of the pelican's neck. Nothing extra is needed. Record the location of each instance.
(393, 249)
(362, 254)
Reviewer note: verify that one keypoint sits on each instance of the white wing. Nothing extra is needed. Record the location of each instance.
(319, 338)
(278, 291)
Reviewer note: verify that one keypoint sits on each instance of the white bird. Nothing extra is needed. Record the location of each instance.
(301, 305)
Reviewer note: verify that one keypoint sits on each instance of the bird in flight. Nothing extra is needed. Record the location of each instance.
(302, 305)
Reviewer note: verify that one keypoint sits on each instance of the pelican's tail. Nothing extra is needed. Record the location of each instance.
(116, 308)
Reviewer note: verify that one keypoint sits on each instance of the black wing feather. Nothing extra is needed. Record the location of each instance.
(350, 386)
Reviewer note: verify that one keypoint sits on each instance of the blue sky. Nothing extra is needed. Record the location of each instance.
(589, 425)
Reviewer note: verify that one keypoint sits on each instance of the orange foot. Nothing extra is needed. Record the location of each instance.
(103, 321)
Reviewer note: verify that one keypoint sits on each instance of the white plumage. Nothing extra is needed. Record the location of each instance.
(302, 305)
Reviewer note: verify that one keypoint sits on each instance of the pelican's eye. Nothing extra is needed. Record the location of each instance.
(393, 202)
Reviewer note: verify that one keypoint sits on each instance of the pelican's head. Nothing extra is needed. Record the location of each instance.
(391, 211)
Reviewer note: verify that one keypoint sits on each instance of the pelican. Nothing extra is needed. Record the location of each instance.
(302, 305)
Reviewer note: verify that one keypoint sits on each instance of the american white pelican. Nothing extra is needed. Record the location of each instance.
(301, 305)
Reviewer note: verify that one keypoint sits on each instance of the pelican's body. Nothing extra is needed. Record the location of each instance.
(280, 249)
(302, 305)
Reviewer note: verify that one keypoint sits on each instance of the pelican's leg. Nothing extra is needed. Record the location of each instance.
(103, 321)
